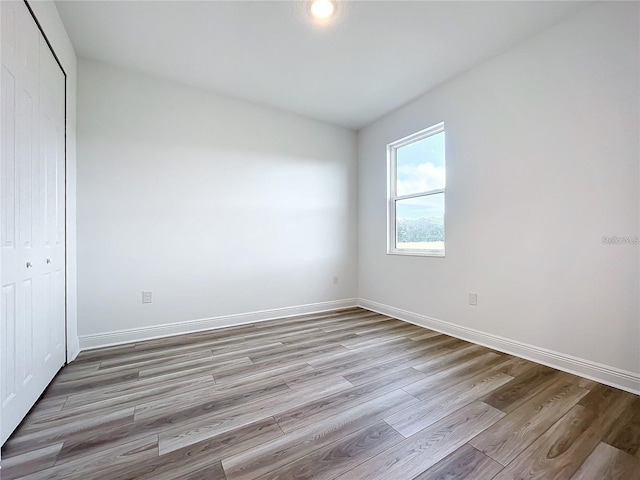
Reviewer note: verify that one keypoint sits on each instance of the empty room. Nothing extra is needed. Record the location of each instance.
(320, 239)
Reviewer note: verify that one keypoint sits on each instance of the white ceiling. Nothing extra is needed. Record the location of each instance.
(374, 57)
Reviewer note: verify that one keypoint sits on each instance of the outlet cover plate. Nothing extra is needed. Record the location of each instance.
(473, 299)
(147, 297)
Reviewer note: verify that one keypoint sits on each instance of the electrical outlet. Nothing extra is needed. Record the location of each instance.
(147, 297)
(336, 279)
(473, 299)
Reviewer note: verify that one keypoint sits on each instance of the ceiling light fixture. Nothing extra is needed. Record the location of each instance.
(323, 9)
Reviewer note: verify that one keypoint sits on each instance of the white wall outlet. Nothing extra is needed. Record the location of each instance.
(336, 279)
(147, 297)
(473, 299)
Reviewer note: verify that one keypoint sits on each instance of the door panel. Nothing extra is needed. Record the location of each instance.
(32, 193)
(8, 345)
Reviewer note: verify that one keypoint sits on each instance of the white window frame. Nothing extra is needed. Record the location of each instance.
(392, 196)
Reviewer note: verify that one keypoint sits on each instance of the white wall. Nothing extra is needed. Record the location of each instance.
(218, 206)
(47, 15)
(543, 152)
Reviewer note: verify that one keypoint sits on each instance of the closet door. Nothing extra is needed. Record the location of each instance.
(32, 257)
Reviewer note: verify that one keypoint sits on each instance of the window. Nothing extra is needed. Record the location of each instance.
(416, 193)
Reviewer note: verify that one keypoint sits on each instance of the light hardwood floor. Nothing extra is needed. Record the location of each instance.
(348, 394)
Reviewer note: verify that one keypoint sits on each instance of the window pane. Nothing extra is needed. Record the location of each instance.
(420, 223)
(420, 166)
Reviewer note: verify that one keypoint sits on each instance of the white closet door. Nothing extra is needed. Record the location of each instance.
(32, 322)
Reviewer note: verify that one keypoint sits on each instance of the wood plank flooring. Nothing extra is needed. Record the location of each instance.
(348, 394)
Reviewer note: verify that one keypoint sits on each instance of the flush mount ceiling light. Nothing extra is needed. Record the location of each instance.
(323, 9)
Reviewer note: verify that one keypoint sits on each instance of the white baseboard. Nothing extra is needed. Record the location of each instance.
(98, 340)
(73, 349)
(612, 376)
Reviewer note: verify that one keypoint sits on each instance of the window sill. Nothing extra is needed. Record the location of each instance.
(418, 253)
